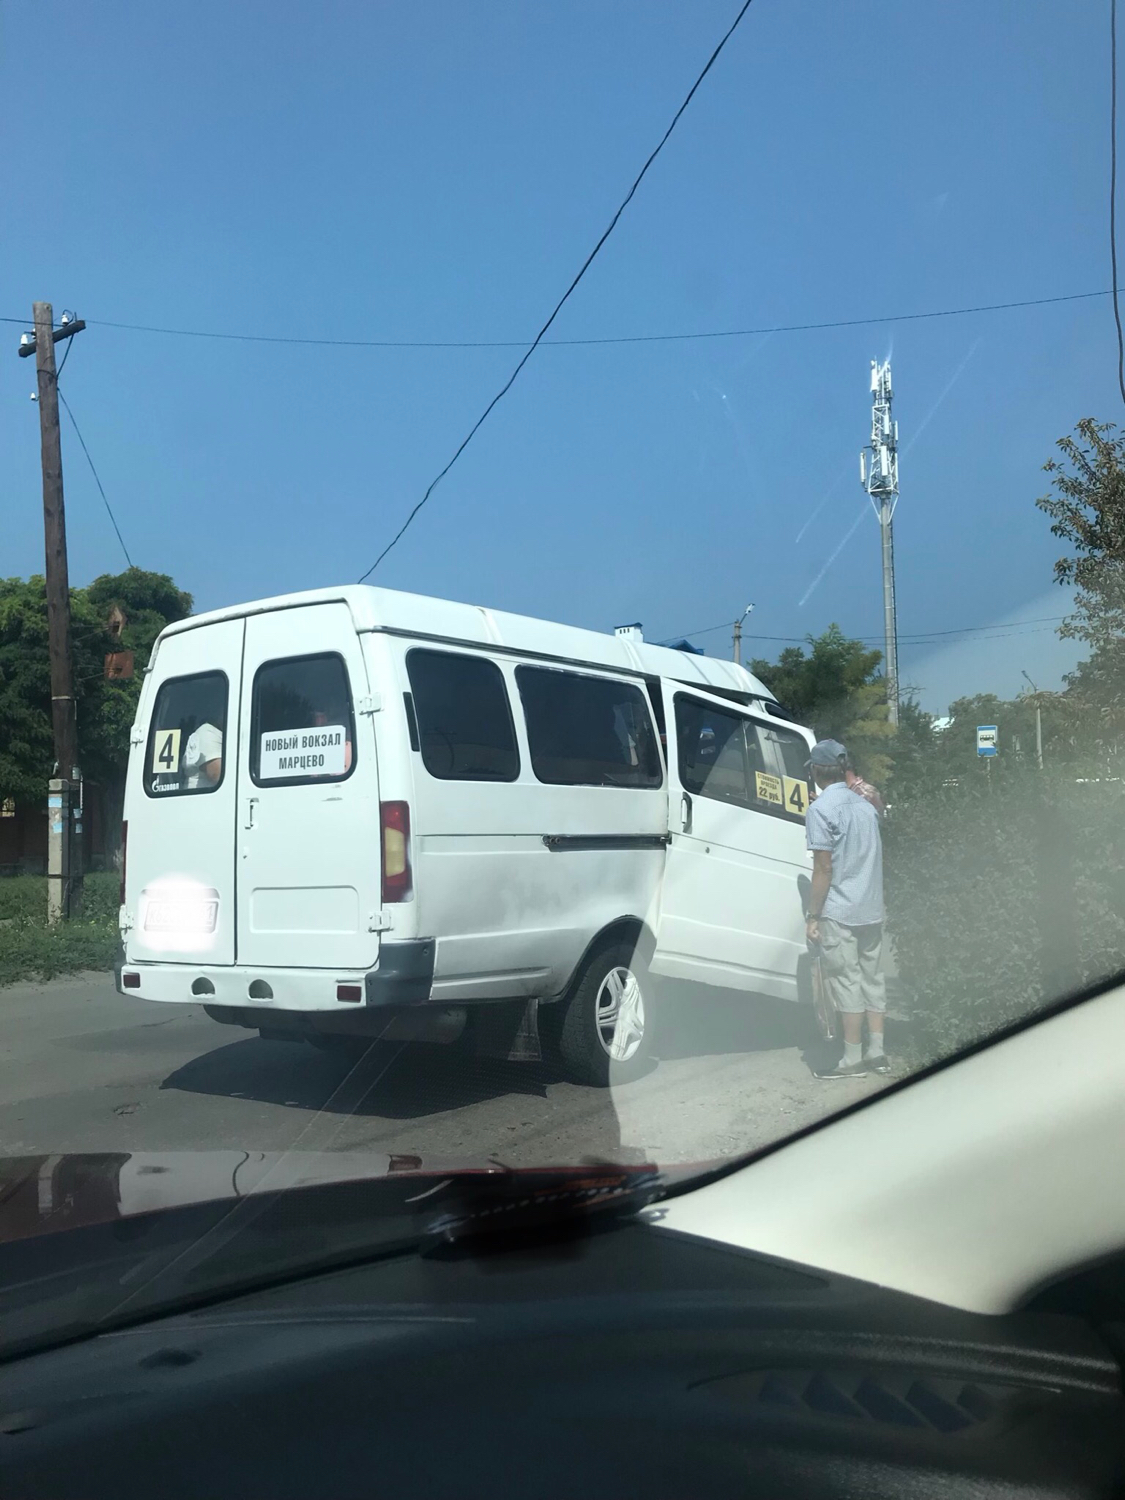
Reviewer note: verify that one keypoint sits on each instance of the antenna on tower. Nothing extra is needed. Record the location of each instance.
(878, 473)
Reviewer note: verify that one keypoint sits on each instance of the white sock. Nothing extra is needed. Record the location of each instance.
(875, 1044)
(853, 1054)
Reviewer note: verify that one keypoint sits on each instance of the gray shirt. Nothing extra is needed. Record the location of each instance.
(848, 827)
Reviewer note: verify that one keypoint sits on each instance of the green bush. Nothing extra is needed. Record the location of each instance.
(30, 949)
(23, 897)
(1005, 891)
(101, 894)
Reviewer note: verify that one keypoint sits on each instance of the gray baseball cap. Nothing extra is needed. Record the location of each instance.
(828, 754)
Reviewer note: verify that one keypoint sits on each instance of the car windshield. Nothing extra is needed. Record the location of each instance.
(566, 578)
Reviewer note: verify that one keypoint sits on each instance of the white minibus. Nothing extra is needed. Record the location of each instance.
(357, 813)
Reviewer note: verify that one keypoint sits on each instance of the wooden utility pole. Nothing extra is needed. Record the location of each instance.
(54, 535)
(64, 864)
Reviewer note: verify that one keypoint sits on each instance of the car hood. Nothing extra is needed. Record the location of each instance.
(93, 1241)
(47, 1193)
(39, 1194)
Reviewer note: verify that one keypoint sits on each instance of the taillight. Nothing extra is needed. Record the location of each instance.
(394, 820)
(124, 843)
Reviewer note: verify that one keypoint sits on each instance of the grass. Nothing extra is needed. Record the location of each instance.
(29, 949)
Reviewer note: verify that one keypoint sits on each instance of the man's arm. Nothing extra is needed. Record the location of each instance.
(821, 880)
(875, 798)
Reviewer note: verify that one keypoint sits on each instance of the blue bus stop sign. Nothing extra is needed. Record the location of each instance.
(986, 739)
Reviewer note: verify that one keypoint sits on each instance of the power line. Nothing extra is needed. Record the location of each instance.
(923, 637)
(918, 641)
(1113, 191)
(66, 356)
(506, 387)
(634, 338)
(94, 472)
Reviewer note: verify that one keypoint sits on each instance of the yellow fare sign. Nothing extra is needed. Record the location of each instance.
(767, 788)
(796, 796)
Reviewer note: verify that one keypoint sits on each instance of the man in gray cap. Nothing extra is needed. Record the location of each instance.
(845, 915)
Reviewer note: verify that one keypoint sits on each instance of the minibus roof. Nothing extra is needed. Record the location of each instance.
(446, 621)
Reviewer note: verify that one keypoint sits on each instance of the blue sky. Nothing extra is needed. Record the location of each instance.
(439, 171)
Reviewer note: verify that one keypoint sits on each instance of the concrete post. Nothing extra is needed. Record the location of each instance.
(59, 843)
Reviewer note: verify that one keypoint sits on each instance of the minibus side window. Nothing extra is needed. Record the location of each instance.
(728, 757)
(185, 751)
(588, 731)
(302, 725)
(793, 752)
(464, 718)
(712, 752)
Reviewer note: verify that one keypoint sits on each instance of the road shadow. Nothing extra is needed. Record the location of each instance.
(726, 1022)
(392, 1080)
(416, 1081)
(412, 1082)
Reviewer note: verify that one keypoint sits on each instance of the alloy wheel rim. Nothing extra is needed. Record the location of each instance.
(620, 1014)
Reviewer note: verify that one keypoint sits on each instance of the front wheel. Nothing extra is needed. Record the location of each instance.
(606, 1028)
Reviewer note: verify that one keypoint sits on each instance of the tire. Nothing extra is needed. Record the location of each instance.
(605, 1030)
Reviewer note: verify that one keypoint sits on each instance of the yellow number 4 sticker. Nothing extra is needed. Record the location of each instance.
(166, 752)
(796, 796)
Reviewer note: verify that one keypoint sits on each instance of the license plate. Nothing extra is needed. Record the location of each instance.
(182, 914)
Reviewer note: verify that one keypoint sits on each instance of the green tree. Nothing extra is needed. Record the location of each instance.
(1087, 510)
(835, 687)
(27, 744)
(952, 754)
(149, 601)
(956, 744)
(25, 687)
(105, 709)
(912, 749)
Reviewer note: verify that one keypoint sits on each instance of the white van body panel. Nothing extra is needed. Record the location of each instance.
(514, 915)
(308, 855)
(188, 862)
(731, 902)
(512, 880)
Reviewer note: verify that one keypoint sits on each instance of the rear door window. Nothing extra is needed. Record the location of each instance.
(302, 723)
(185, 754)
(464, 718)
(588, 731)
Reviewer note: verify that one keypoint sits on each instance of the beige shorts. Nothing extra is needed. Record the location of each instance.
(851, 960)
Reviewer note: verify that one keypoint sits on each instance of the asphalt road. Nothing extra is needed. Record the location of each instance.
(84, 1069)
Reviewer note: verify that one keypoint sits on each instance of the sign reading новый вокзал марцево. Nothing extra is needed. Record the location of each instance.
(303, 752)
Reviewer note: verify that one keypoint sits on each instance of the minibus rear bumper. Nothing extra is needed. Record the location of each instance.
(404, 977)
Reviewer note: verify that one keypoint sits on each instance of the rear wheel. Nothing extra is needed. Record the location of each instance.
(606, 1025)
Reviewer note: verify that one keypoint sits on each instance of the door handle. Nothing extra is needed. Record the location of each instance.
(250, 806)
(685, 812)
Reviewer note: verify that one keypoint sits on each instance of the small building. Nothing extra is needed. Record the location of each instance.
(23, 835)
